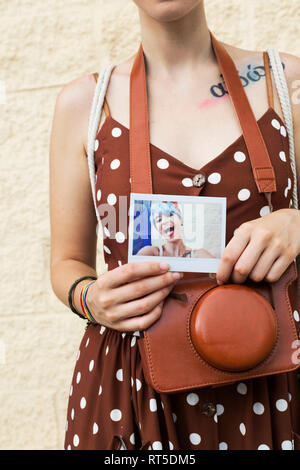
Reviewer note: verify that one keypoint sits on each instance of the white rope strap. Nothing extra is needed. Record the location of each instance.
(283, 93)
(94, 120)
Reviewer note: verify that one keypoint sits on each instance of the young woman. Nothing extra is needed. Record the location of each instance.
(166, 217)
(193, 131)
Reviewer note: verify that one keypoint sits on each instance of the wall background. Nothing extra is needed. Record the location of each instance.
(43, 46)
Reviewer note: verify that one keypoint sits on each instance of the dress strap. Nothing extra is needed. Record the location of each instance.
(105, 105)
(268, 80)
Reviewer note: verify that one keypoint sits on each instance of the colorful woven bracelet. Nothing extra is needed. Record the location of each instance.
(83, 304)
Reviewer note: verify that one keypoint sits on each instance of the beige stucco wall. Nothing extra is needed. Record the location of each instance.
(45, 44)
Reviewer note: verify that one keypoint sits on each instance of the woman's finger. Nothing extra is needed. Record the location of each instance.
(142, 322)
(132, 271)
(232, 252)
(249, 258)
(265, 263)
(143, 287)
(138, 307)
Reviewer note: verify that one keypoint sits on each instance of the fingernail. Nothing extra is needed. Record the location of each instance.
(164, 266)
(177, 275)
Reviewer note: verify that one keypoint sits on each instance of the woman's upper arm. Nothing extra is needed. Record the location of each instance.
(72, 215)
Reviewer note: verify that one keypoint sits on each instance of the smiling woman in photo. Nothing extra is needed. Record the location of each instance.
(167, 219)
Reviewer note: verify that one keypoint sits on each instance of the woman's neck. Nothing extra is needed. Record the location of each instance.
(176, 48)
(176, 248)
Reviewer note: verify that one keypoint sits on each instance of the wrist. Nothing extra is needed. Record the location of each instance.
(77, 294)
(83, 302)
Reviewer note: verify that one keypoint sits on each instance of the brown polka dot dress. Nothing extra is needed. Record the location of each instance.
(110, 404)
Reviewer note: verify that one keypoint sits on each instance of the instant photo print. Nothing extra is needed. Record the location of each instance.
(187, 232)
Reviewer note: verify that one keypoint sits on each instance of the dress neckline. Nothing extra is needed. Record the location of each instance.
(176, 160)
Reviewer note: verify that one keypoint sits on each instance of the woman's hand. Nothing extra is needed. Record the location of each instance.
(262, 248)
(130, 297)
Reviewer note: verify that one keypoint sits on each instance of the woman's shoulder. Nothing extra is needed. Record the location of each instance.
(73, 104)
(149, 250)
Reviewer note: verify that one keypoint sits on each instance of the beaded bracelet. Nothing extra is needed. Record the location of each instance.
(83, 304)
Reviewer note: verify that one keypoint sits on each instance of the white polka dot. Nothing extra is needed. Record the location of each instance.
(195, 438)
(174, 417)
(119, 375)
(119, 262)
(242, 429)
(264, 211)
(91, 366)
(153, 404)
(98, 194)
(76, 440)
(72, 413)
(102, 329)
(282, 156)
(223, 446)
(263, 447)
(138, 384)
(283, 131)
(287, 445)
(291, 203)
(96, 145)
(157, 445)
(115, 164)
(192, 399)
(106, 249)
(106, 350)
(187, 182)
(275, 124)
(162, 405)
(132, 381)
(78, 355)
(258, 408)
(115, 415)
(214, 178)
(239, 157)
(120, 237)
(111, 199)
(289, 183)
(290, 396)
(116, 132)
(162, 163)
(102, 160)
(82, 403)
(132, 438)
(67, 425)
(87, 342)
(69, 447)
(242, 388)
(220, 410)
(95, 428)
(244, 194)
(171, 447)
(296, 315)
(281, 405)
(286, 191)
(123, 335)
(71, 390)
(106, 231)
(100, 390)
(133, 341)
(78, 377)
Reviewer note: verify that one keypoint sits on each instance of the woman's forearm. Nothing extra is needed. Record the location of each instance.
(64, 273)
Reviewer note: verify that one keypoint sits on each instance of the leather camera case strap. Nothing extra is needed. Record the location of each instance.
(210, 335)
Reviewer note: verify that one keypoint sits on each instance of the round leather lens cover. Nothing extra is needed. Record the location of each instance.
(233, 327)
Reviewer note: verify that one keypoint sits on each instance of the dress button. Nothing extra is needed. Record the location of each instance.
(199, 180)
(209, 409)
